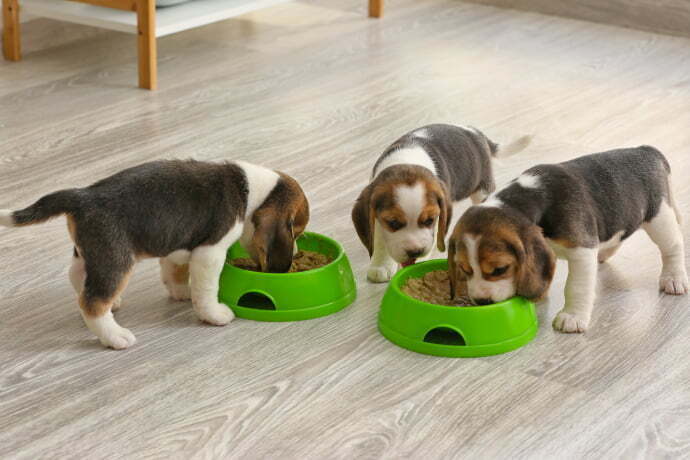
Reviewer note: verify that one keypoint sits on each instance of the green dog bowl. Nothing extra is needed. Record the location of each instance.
(456, 332)
(290, 296)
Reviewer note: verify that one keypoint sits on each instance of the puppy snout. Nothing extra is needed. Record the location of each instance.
(414, 253)
(483, 301)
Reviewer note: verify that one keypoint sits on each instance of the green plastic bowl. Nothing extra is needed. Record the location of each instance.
(456, 332)
(290, 296)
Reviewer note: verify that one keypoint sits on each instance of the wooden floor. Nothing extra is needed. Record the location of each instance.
(318, 90)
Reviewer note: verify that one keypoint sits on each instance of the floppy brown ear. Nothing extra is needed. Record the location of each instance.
(446, 205)
(455, 275)
(363, 216)
(537, 264)
(273, 240)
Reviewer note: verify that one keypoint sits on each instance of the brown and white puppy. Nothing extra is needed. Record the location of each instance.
(187, 214)
(580, 210)
(407, 207)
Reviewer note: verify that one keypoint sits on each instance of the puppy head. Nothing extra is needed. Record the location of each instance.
(410, 207)
(276, 224)
(500, 254)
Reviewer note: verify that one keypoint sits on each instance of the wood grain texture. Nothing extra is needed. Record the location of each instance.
(375, 8)
(662, 16)
(126, 5)
(146, 44)
(11, 34)
(317, 90)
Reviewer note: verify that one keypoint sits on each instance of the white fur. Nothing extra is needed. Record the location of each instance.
(513, 147)
(609, 248)
(528, 181)
(415, 155)
(6, 219)
(477, 198)
(492, 202)
(477, 286)
(423, 133)
(580, 288)
(179, 257)
(382, 266)
(261, 182)
(664, 229)
(205, 266)
(108, 331)
(178, 291)
(412, 237)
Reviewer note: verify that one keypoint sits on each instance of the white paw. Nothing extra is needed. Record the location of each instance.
(179, 291)
(216, 314)
(381, 273)
(118, 338)
(674, 284)
(567, 322)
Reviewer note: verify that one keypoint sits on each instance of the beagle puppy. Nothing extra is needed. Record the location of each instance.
(581, 211)
(407, 207)
(187, 214)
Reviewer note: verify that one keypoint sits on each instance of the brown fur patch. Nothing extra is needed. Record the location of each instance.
(181, 274)
(96, 307)
(378, 201)
(507, 240)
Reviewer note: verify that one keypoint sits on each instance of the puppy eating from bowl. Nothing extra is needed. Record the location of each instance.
(579, 210)
(406, 209)
(185, 213)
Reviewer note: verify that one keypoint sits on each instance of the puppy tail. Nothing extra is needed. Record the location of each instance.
(49, 206)
(504, 151)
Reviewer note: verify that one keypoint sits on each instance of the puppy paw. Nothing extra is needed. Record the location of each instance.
(215, 314)
(381, 273)
(568, 322)
(118, 338)
(179, 291)
(674, 283)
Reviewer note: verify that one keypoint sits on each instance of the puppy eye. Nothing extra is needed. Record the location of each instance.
(428, 223)
(395, 224)
(499, 271)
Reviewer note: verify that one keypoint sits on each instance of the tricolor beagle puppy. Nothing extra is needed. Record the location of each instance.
(580, 210)
(407, 207)
(187, 214)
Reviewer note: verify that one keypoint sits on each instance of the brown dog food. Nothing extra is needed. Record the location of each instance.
(301, 262)
(434, 287)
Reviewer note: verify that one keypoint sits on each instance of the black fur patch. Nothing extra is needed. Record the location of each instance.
(462, 157)
(591, 198)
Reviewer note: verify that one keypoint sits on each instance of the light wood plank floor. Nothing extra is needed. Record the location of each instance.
(318, 90)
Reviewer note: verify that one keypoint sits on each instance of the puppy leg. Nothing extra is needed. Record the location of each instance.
(606, 254)
(205, 265)
(77, 275)
(101, 289)
(580, 291)
(382, 266)
(666, 233)
(176, 279)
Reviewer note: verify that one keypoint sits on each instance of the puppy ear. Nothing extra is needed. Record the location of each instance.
(537, 263)
(455, 275)
(363, 216)
(273, 240)
(446, 205)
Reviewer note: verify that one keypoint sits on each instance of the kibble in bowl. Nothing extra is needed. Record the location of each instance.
(302, 261)
(434, 287)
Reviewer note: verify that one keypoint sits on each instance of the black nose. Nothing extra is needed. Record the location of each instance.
(414, 253)
(483, 301)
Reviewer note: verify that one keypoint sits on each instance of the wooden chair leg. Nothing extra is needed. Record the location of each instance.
(375, 8)
(10, 32)
(146, 24)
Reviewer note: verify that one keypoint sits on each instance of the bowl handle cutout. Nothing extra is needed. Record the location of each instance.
(256, 300)
(444, 336)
